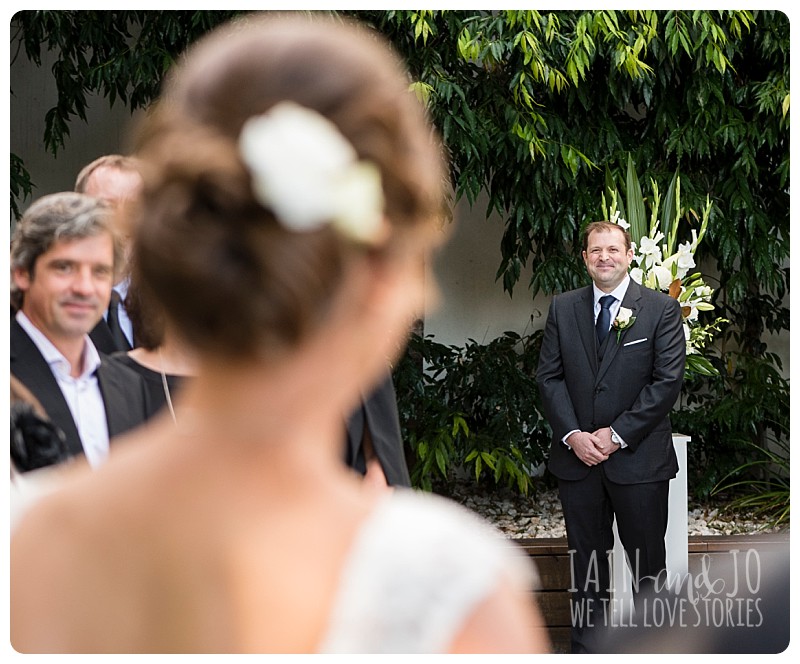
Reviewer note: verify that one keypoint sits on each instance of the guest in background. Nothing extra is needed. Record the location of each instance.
(161, 359)
(293, 191)
(63, 255)
(116, 179)
(374, 446)
(35, 441)
(38, 452)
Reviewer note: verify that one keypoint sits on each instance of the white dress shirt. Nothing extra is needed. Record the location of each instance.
(82, 394)
(122, 313)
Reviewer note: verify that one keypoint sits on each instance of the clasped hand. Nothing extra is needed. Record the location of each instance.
(592, 448)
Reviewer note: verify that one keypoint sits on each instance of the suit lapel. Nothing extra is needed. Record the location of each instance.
(584, 322)
(102, 339)
(630, 301)
(29, 366)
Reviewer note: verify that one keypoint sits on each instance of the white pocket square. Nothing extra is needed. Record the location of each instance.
(638, 341)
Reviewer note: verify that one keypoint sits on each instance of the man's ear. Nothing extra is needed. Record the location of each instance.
(21, 277)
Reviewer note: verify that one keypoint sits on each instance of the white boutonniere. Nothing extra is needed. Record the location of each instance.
(623, 321)
(306, 171)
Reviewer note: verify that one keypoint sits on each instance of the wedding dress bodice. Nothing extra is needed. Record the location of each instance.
(418, 568)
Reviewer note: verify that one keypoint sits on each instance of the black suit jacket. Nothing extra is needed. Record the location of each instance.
(103, 340)
(124, 392)
(378, 413)
(632, 389)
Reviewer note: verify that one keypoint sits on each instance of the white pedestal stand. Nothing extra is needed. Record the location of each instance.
(677, 541)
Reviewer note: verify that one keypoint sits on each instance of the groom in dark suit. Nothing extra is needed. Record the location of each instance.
(610, 371)
(63, 256)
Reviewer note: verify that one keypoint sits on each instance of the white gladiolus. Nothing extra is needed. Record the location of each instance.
(685, 259)
(660, 277)
(650, 251)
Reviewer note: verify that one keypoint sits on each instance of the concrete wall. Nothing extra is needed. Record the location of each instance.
(472, 304)
(33, 93)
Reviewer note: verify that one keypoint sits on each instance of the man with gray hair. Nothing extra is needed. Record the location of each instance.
(63, 259)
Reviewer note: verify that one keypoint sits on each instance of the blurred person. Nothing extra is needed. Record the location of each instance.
(374, 446)
(35, 441)
(116, 179)
(292, 192)
(63, 254)
(38, 451)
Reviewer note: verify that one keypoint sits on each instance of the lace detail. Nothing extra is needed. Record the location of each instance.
(418, 568)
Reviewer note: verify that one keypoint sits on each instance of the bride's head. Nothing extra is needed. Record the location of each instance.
(285, 156)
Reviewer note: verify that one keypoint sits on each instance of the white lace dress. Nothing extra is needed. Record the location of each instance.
(418, 568)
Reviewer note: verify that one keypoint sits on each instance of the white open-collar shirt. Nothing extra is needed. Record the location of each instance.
(82, 394)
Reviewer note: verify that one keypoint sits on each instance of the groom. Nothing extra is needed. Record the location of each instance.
(610, 371)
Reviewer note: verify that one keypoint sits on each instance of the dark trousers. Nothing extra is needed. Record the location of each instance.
(590, 506)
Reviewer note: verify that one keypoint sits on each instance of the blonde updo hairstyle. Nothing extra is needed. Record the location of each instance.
(235, 282)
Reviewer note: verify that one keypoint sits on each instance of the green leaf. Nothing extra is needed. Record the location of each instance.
(441, 462)
(670, 212)
(635, 203)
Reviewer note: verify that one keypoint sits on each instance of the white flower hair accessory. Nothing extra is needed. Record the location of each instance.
(309, 174)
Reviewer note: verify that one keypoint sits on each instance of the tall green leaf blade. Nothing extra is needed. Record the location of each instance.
(669, 213)
(636, 213)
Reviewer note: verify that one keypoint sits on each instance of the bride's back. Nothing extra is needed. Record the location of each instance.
(173, 552)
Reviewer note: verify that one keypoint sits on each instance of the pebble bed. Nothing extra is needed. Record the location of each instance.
(539, 514)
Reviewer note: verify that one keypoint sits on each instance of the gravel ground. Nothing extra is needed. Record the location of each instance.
(539, 514)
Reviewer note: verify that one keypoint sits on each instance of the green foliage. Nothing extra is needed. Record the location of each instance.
(537, 109)
(743, 408)
(21, 185)
(761, 484)
(536, 106)
(474, 407)
(121, 55)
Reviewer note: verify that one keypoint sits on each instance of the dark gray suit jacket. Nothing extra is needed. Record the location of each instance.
(124, 392)
(632, 389)
(378, 413)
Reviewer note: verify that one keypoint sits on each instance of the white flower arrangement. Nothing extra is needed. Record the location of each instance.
(309, 175)
(659, 265)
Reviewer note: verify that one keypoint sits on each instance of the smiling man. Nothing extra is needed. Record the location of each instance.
(63, 259)
(610, 370)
